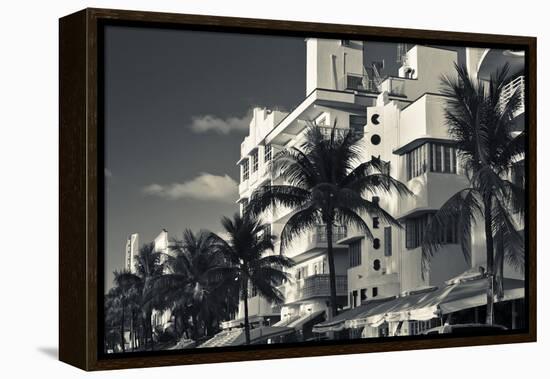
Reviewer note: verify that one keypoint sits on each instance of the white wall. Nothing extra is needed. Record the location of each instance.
(29, 143)
(329, 61)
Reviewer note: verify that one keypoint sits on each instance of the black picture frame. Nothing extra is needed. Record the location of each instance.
(81, 184)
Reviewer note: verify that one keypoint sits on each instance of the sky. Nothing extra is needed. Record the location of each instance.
(177, 107)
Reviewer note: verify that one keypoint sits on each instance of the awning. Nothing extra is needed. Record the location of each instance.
(257, 335)
(286, 321)
(300, 322)
(466, 294)
(338, 322)
(240, 322)
(388, 311)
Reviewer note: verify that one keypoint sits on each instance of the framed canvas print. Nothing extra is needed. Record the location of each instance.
(239, 189)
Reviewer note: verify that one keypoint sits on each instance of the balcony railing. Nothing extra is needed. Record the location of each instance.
(516, 85)
(338, 232)
(394, 86)
(315, 286)
(357, 82)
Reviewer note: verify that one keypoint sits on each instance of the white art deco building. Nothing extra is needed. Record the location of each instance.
(401, 119)
(130, 251)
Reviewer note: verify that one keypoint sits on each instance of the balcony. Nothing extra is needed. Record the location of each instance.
(314, 242)
(516, 85)
(393, 86)
(338, 233)
(357, 82)
(313, 287)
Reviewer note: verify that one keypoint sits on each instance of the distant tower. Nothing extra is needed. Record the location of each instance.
(132, 249)
(161, 242)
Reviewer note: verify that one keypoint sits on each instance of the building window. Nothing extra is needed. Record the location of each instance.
(252, 291)
(245, 170)
(416, 227)
(255, 161)
(431, 157)
(268, 154)
(363, 295)
(301, 272)
(353, 299)
(345, 42)
(387, 241)
(357, 123)
(374, 291)
(355, 253)
(414, 231)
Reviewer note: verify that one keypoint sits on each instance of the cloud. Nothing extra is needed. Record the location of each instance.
(205, 187)
(210, 123)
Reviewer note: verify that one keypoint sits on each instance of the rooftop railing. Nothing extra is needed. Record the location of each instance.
(515, 85)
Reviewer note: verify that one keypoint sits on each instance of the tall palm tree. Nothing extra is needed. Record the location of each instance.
(148, 268)
(246, 251)
(191, 282)
(130, 289)
(482, 126)
(326, 183)
(113, 310)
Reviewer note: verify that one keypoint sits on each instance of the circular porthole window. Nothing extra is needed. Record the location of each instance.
(375, 139)
(374, 119)
(376, 264)
(376, 243)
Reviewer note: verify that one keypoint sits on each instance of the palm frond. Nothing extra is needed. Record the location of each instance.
(461, 209)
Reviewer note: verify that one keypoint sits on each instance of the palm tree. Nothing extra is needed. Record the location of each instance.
(482, 126)
(130, 289)
(148, 268)
(113, 310)
(326, 183)
(192, 283)
(246, 252)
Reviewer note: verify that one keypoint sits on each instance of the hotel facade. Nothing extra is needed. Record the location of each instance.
(400, 120)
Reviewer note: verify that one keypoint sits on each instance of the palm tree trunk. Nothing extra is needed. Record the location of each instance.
(195, 326)
(149, 326)
(331, 273)
(499, 265)
(122, 330)
(490, 262)
(132, 336)
(246, 324)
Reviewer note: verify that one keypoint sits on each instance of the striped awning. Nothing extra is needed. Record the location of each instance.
(424, 306)
(338, 323)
